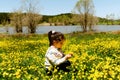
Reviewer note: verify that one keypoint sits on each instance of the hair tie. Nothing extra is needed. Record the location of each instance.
(53, 32)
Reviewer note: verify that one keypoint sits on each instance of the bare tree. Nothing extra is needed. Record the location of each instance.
(92, 21)
(16, 20)
(107, 17)
(32, 17)
(112, 18)
(85, 10)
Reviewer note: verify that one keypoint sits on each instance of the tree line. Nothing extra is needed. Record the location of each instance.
(82, 14)
(65, 18)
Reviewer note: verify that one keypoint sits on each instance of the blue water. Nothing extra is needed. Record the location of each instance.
(63, 29)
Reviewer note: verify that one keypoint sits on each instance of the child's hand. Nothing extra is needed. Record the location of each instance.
(71, 54)
(68, 56)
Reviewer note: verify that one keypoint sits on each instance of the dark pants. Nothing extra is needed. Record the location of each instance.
(62, 66)
(49, 72)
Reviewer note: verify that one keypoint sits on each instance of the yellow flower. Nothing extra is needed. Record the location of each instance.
(36, 78)
(112, 73)
(18, 73)
(18, 76)
(5, 74)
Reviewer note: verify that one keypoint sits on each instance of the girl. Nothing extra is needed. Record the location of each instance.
(54, 56)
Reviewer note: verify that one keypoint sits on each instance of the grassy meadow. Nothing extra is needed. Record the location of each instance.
(96, 57)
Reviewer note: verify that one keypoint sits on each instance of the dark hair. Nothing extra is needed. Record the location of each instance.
(55, 36)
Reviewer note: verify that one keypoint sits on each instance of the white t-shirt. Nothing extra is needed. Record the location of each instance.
(53, 57)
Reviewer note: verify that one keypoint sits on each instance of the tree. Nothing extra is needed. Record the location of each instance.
(85, 14)
(17, 21)
(32, 17)
(92, 21)
(107, 17)
(4, 18)
(112, 18)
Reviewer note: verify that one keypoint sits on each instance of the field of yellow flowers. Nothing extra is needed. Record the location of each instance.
(95, 56)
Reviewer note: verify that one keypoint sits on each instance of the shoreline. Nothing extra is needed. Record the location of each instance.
(72, 33)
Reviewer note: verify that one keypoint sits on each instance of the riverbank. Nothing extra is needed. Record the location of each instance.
(77, 33)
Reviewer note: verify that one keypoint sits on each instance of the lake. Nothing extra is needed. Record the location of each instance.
(63, 29)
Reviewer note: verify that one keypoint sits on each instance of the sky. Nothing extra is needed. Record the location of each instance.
(54, 7)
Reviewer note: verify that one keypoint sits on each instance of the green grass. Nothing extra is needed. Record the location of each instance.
(96, 56)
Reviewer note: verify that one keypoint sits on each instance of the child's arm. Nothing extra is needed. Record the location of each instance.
(61, 60)
(56, 58)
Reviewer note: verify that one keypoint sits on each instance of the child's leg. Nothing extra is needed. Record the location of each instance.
(63, 66)
(48, 72)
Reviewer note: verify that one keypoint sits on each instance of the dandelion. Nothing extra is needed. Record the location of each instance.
(112, 73)
(36, 78)
(5, 74)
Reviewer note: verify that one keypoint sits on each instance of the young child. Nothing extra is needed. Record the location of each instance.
(54, 56)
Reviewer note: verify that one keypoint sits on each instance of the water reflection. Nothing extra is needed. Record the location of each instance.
(63, 29)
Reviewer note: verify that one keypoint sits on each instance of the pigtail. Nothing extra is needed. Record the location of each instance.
(49, 37)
